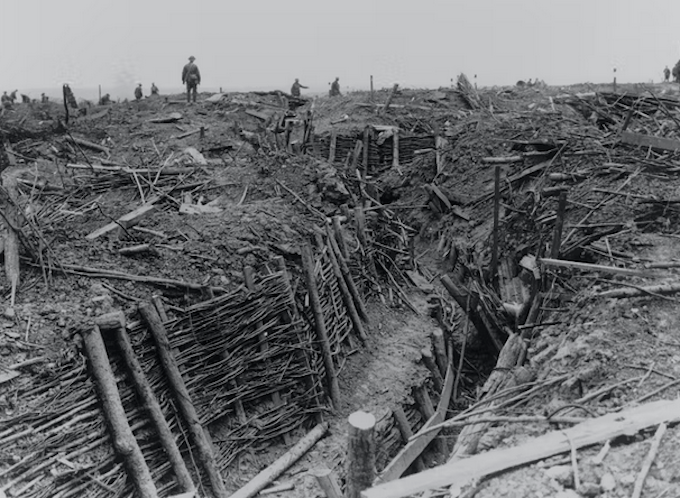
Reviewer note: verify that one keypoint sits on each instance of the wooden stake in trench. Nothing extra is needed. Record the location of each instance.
(331, 151)
(360, 453)
(123, 439)
(493, 267)
(115, 322)
(351, 286)
(320, 325)
(559, 223)
(182, 398)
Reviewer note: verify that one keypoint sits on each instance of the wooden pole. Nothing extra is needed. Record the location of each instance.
(367, 136)
(199, 435)
(320, 326)
(351, 286)
(360, 453)
(360, 220)
(372, 95)
(439, 347)
(328, 481)
(264, 478)
(123, 439)
(248, 273)
(428, 361)
(356, 154)
(331, 152)
(493, 267)
(340, 237)
(395, 148)
(559, 223)
(406, 432)
(346, 294)
(115, 322)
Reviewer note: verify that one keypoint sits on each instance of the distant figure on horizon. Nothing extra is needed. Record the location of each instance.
(154, 89)
(13, 96)
(44, 98)
(138, 92)
(191, 76)
(25, 99)
(295, 89)
(666, 74)
(105, 100)
(676, 72)
(335, 88)
(5, 100)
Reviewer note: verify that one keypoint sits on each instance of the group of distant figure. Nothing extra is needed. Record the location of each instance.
(191, 77)
(667, 73)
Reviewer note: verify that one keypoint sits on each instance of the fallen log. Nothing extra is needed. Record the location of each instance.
(122, 438)
(90, 145)
(262, 480)
(115, 322)
(587, 433)
(663, 289)
(406, 433)
(642, 140)
(199, 435)
(561, 263)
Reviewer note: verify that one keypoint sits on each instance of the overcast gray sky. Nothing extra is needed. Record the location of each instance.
(265, 44)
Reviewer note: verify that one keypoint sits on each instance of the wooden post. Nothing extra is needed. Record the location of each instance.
(340, 237)
(367, 136)
(360, 453)
(389, 99)
(328, 481)
(182, 398)
(428, 361)
(559, 223)
(360, 220)
(395, 148)
(439, 347)
(160, 308)
(123, 439)
(320, 326)
(344, 290)
(202, 132)
(493, 267)
(331, 152)
(344, 268)
(406, 432)
(289, 129)
(372, 96)
(116, 322)
(262, 339)
(358, 145)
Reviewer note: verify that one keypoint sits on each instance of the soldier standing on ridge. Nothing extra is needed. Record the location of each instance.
(191, 76)
(6, 101)
(154, 89)
(295, 89)
(138, 92)
(44, 98)
(666, 74)
(13, 96)
(335, 88)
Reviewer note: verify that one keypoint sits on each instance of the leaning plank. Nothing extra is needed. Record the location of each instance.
(127, 220)
(262, 480)
(587, 433)
(115, 322)
(122, 437)
(643, 140)
(419, 442)
(199, 435)
(562, 263)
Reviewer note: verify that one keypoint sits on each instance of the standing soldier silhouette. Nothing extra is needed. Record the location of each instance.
(191, 76)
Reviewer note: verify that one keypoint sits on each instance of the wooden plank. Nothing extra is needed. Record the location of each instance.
(126, 220)
(609, 426)
(644, 272)
(630, 138)
(419, 442)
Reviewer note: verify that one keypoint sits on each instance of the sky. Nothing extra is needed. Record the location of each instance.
(266, 44)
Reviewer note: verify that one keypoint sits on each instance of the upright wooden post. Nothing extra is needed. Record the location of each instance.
(331, 152)
(360, 453)
(559, 223)
(493, 267)
(320, 326)
(360, 220)
(439, 347)
(367, 135)
(358, 145)
(351, 286)
(327, 481)
(395, 148)
(429, 362)
(199, 435)
(372, 99)
(340, 237)
(123, 439)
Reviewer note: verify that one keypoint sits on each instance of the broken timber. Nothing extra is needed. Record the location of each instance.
(421, 440)
(587, 433)
(642, 140)
(127, 220)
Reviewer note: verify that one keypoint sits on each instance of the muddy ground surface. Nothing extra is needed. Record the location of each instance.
(596, 343)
